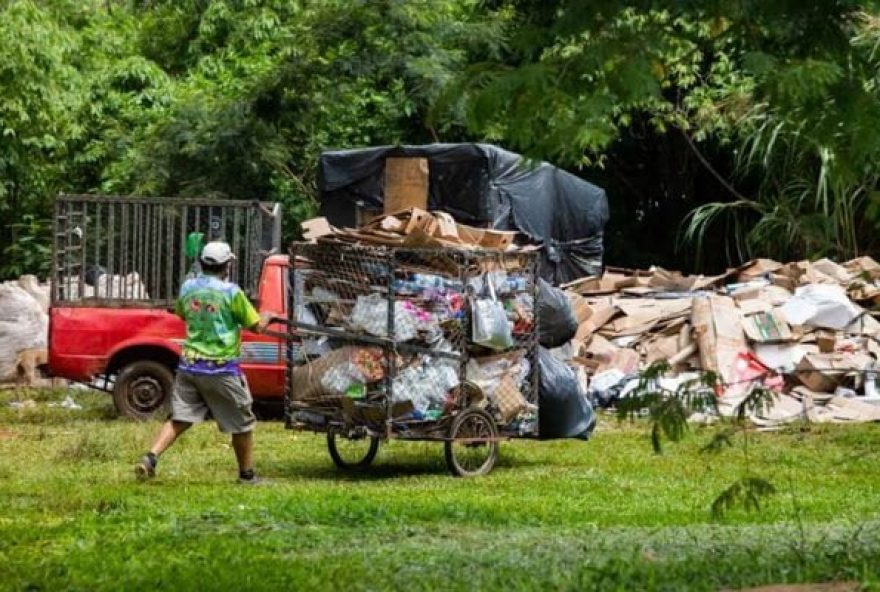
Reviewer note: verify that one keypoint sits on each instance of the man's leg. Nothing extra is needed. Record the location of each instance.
(243, 444)
(230, 401)
(167, 435)
(187, 407)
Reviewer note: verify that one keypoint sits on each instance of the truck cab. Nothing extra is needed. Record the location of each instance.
(114, 328)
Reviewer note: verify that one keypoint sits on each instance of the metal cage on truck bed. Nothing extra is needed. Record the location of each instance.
(128, 251)
(386, 348)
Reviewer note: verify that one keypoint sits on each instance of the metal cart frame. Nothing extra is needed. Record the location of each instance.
(469, 425)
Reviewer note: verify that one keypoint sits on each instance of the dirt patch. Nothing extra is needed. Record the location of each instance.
(6, 435)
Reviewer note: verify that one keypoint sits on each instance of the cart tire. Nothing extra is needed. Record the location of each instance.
(143, 390)
(351, 460)
(472, 460)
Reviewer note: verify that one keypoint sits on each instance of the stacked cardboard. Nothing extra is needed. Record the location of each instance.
(411, 228)
(801, 327)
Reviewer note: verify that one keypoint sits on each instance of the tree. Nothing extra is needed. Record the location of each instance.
(579, 77)
(38, 99)
(264, 88)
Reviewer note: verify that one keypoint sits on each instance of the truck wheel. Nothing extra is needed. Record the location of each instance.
(143, 389)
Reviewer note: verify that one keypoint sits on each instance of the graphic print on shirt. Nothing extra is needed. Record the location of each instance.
(205, 317)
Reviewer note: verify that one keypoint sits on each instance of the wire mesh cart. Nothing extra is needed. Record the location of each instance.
(412, 344)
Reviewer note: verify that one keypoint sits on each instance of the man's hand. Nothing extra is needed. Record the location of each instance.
(265, 319)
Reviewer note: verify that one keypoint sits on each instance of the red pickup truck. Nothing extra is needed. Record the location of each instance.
(119, 263)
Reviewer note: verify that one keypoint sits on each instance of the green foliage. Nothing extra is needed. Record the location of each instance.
(27, 249)
(668, 410)
(38, 100)
(788, 90)
(746, 492)
(217, 98)
(237, 98)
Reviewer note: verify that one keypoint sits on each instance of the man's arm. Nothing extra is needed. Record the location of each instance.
(178, 309)
(246, 315)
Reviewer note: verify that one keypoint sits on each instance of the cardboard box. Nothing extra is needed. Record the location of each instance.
(825, 340)
(406, 184)
(508, 398)
(824, 372)
(767, 327)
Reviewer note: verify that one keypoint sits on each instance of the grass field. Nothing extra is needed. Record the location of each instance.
(606, 514)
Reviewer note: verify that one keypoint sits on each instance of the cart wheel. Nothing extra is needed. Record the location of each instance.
(356, 453)
(471, 459)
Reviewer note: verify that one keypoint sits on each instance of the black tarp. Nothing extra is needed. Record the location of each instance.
(482, 185)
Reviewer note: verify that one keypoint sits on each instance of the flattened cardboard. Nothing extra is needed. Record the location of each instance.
(315, 228)
(582, 310)
(661, 347)
(602, 312)
(497, 239)
(719, 332)
(754, 306)
(406, 183)
(672, 280)
(758, 268)
(851, 409)
(469, 235)
(446, 227)
(864, 267)
(831, 269)
(420, 220)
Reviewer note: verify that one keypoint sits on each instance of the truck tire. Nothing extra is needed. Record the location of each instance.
(143, 390)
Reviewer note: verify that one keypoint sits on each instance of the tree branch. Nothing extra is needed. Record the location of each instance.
(705, 162)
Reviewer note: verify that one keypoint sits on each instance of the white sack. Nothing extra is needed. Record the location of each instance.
(23, 325)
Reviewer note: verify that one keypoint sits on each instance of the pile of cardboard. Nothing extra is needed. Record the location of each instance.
(411, 228)
(803, 329)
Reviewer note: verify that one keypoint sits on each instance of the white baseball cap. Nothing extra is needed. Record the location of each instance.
(217, 253)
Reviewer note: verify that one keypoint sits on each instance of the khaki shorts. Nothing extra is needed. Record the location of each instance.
(226, 396)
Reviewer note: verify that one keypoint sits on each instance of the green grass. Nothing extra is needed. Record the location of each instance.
(606, 514)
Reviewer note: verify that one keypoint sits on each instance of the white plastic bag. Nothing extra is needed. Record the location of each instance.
(820, 305)
(490, 325)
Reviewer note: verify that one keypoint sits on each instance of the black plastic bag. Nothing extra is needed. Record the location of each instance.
(556, 321)
(563, 410)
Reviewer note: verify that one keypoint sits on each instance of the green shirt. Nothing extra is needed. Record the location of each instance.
(215, 312)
